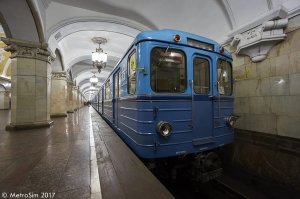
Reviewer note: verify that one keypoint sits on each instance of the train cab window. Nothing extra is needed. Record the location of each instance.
(224, 77)
(107, 90)
(201, 76)
(168, 70)
(131, 73)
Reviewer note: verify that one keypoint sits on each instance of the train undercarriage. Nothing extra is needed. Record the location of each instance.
(198, 168)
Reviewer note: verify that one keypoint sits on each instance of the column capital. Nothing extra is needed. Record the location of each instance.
(70, 83)
(27, 49)
(59, 75)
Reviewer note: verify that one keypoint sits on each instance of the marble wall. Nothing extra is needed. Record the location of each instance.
(267, 96)
(69, 99)
(30, 91)
(267, 93)
(4, 100)
(75, 98)
(58, 94)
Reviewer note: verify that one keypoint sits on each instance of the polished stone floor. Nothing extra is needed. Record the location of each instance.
(53, 160)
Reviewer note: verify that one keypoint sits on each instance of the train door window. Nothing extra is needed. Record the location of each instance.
(107, 90)
(120, 84)
(224, 77)
(201, 76)
(131, 68)
(168, 70)
(117, 94)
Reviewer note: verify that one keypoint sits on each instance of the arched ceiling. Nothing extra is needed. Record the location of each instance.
(70, 25)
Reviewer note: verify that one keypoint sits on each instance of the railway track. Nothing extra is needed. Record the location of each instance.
(229, 191)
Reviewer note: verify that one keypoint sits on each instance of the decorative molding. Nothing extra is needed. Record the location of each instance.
(59, 75)
(27, 49)
(229, 13)
(37, 18)
(257, 42)
(25, 43)
(70, 84)
(113, 20)
(279, 13)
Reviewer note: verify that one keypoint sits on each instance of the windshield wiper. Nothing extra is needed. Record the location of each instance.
(164, 55)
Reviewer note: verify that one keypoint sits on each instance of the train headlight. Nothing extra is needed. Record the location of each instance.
(164, 128)
(231, 120)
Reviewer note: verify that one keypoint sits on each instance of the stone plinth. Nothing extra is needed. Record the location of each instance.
(58, 102)
(4, 100)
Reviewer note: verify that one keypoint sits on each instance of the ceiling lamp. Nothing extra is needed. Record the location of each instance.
(99, 57)
(94, 79)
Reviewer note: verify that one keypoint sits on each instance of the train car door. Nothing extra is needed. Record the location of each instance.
(116, 96)
(202, 104)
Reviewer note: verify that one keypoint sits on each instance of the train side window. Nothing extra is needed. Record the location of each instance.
(131, 66)
(168, 70)
(201, 76)
(107, 90)
(224, 77)
(117, 88)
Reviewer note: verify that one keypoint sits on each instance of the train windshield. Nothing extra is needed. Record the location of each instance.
(224, 77)
(168, 70)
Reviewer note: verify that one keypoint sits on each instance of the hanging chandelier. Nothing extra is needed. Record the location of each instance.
(99, 57)
(94, 79)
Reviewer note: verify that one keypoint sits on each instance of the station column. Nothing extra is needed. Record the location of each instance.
(30, 84)
(58, 102)
(75, 98)
(4, 100)
(69, 99)
(78, 98)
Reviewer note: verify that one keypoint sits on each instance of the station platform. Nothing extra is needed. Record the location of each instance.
(80, 156)
(122, 174)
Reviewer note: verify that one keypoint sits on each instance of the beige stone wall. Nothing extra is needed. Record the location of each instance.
(58, 97)
(30, 91)
(75, 98)
(4, 100)
(69, 97)
(267, 94)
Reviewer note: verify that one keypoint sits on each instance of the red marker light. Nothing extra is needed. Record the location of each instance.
(176, 38)
(222, 49)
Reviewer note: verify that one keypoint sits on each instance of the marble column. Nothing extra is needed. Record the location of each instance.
(4, 100)
(58, 101)
(81, 100)
(75, 88)
(78, 99)
(69, 99)
(30, 84)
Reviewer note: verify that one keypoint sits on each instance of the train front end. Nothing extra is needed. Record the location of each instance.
(184, 96)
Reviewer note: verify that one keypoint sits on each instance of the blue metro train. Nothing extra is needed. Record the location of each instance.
(170, 95)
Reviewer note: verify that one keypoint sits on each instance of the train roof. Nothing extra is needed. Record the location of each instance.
(167, 35)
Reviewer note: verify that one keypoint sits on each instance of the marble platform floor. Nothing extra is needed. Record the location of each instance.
(53, 160)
